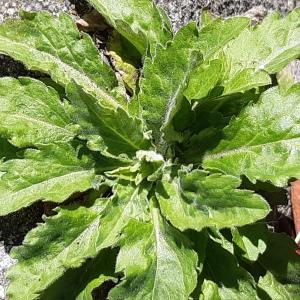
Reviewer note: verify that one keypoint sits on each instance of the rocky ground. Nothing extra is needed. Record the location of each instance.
(14, 227)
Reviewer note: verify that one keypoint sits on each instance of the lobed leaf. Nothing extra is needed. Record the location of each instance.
(225, 279)
(273, 43)
(262, 142)
(197, 200)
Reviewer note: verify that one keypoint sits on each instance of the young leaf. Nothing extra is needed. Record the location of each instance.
(139, 21)
(119, 132)
(31, 113)
(55, 46)
(52, 173)
(161, 254)
(263, 141)
(160, 96)
(196, 200)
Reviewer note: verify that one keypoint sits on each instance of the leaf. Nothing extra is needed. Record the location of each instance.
(31, 113)
(86, 294)
(141, 22)
(80, 283)
(68, 239)
(262, 142)
(125, 60)
(227, 280)
(280, 258)
(209, 291)
(55, 46)
(216, 34)
(197, 200)
(160, 96)
(250, 240)
(119, 132)
(277, 290)
(247, 59)
(161, 254)
(273, 43)
(52, 173)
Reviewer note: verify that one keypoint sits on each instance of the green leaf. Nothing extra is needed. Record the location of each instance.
(31, 113)
(273, 44)
(209, 291)
(86, 294)
(125, 60)
(196, 200)
(250, 240)
(164, 79)
(227, 280)
(277, 290)
(79, 283)
(69, 238)
(161, 255)
(262, 142)
(280, 258)
(52, 173)
(119, 133)
(63, 242)
(139, 21)
(216, 34)
(55, 46)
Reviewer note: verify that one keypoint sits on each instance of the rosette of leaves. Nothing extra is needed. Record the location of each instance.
(165, 178)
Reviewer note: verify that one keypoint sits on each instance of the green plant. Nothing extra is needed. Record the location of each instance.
(165, 204)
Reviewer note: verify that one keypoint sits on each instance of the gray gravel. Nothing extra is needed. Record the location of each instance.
(14, 227)
(181, 11)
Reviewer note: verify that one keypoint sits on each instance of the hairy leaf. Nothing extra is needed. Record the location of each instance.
(273, 44)
(161, 254)
(55, 46)
(262, 142)
(278, 290)
(160, 97)
(250, 240)
(68, 239)
(52, 173)
(119, 132)
(139, 21)
(196, 200)
(31, 113)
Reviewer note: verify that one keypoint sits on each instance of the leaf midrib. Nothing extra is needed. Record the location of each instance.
(89, 85)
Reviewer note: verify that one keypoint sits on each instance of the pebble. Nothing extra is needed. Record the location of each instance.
(5, 262)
